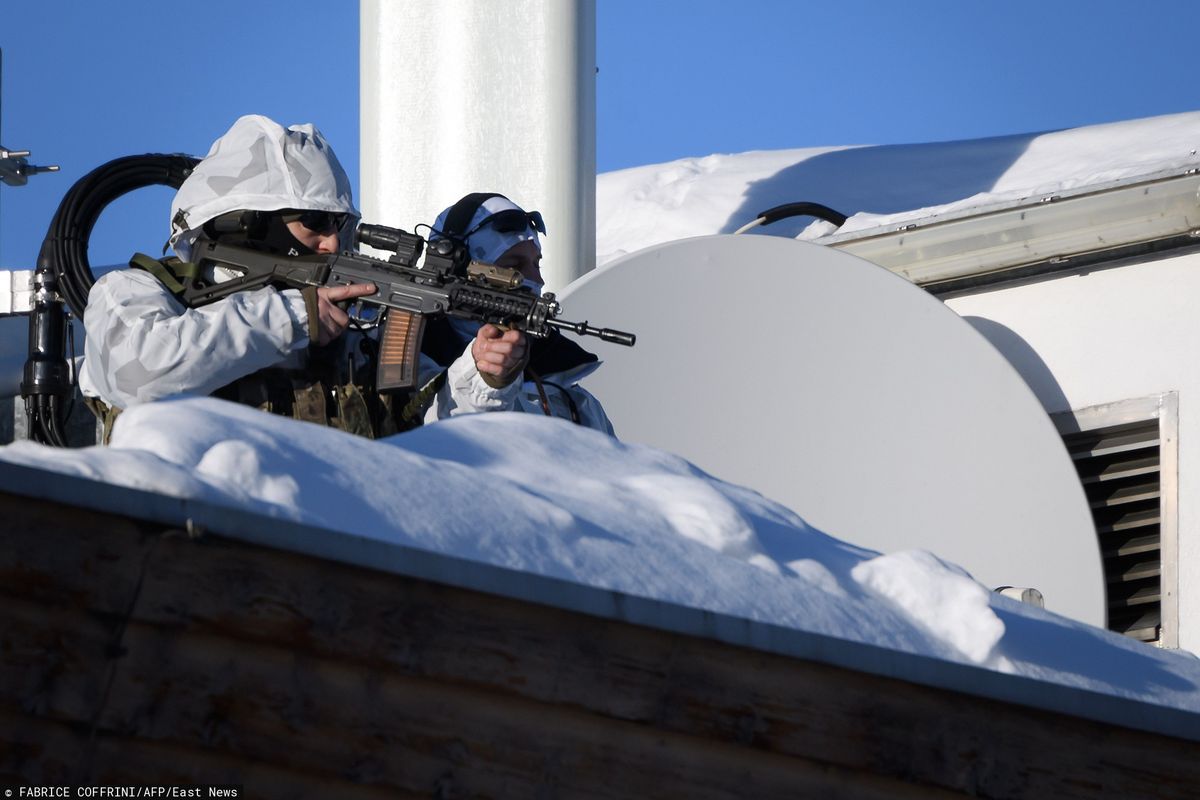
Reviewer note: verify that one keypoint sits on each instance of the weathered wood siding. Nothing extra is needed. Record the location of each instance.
(130, 653)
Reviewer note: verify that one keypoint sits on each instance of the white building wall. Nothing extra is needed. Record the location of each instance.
(1111, 335)
(463, 96)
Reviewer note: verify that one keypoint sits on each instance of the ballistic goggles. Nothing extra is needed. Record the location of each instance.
(511, 220)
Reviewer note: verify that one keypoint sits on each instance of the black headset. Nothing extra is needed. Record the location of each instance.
(253, 224)
(462, 212)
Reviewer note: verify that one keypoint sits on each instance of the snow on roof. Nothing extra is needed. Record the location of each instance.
(548, 498)
(885, 185)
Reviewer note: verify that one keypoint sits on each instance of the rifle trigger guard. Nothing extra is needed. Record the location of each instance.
(364, 317)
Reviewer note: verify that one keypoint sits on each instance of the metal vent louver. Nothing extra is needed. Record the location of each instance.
(1120, 468)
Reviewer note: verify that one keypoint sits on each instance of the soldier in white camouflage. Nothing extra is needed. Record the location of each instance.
(497, 231)
(284, 350)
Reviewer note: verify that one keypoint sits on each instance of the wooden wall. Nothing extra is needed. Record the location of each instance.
(134, 654)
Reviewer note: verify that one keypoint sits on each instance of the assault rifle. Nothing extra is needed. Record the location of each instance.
(447, 281)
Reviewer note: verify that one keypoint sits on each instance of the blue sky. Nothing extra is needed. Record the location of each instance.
(87, 82)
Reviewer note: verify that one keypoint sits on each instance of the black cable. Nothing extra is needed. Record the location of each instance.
(63, 272)
(65, 248)
(54, 424)
(801, 209)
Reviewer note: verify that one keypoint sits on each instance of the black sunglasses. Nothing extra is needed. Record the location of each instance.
(323, 222)
(511, 220)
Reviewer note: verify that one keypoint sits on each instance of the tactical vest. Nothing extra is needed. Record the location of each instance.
(322, 392)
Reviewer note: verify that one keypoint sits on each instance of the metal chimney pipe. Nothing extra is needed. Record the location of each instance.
(459, 96)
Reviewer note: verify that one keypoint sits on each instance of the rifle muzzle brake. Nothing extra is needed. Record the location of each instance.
(584, 329)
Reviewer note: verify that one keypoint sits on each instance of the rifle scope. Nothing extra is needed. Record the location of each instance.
(407, 246)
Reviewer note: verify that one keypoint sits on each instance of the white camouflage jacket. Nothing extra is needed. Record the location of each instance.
(143, 345)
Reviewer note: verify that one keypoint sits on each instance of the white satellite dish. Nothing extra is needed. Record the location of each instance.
(850, 395)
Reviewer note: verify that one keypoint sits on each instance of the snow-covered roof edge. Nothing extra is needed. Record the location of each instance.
(882, 188)
(281, 534)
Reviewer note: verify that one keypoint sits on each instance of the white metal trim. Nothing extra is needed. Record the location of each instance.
(1033, 231)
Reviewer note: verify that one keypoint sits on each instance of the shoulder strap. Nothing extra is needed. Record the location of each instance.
(171, 272)
(105, 413)
(410, 415)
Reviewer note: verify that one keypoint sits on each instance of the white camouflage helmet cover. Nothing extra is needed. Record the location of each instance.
(259, 165)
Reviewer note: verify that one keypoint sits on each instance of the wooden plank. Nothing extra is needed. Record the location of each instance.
(54, 555)
(671, 682)
(294, 661)
(45, 752)
(248, 701)
(53, 662)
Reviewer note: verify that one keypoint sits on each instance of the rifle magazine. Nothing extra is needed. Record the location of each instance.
(399, 350)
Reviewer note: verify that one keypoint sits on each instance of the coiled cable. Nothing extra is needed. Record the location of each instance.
(65, 248)
(64, 272)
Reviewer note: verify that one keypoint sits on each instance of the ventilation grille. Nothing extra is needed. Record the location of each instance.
(1119, 467)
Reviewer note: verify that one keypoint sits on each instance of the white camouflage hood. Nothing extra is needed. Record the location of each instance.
(260, 165)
